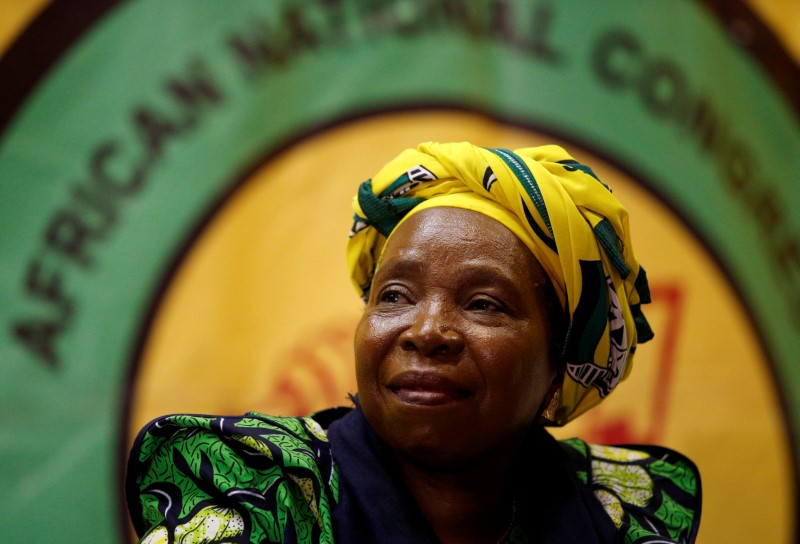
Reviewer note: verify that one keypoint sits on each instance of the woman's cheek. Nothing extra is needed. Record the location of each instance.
(371, 345)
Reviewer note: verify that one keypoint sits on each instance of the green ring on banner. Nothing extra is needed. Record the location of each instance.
(131, 138)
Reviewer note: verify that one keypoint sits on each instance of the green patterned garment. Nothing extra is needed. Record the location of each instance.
(263, 479)
(243, 479)
(643, 490)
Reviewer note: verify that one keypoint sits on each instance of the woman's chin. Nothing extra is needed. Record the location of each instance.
(433, 453)
(445, 442)
(430, 429)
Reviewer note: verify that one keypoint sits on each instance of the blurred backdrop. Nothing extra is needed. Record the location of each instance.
(175, 187)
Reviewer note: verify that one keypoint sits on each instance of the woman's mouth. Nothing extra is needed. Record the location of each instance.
(427, 389)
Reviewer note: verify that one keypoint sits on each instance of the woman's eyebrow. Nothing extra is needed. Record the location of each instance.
(483, 272)
(406, 265)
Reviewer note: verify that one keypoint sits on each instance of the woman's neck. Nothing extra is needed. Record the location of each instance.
(474, 504)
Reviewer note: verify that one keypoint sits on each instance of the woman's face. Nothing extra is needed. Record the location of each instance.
(453, 355)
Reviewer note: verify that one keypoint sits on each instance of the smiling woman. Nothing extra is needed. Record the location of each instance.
(455, 340)
(453, 362)
(502, 294)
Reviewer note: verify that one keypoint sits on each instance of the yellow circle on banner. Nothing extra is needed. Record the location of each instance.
(260, 314)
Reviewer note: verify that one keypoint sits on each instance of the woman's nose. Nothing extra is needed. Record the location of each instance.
(433, 334)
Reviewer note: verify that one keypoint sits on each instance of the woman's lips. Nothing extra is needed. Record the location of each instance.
(427, 388)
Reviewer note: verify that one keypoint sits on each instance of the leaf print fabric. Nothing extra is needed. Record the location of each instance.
(262, 479)
(650, 493)
(195, 479)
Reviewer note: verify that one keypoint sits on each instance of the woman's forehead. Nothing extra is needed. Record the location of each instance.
(453, 236)
(453, 224)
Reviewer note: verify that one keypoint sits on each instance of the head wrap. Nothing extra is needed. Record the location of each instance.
(571, 222)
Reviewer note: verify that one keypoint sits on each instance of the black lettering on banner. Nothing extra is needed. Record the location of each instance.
(154, 129)
(795, 309)
(663, 88)
(540, 46)
(619, 62)
(46, 284)
(39, 334)
(464, 16)
(742, 174)
(99, 168)
(768, 212)
(97, 204)
(616, 59)
(254, 51)
(788, 261)
(272, 44)
(95, 210)
(68, 235)
(39, 337)
(529, 32)
(300, 36)
(503, 21)
(707, 126)
(739, 169)
(195, 91)
(787, 257)
(335, 22)
(94, 204)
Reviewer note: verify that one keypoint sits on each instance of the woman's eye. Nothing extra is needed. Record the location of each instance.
(484, 305)
(392, 297)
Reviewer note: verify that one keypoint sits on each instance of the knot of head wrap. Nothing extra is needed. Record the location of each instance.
(384, 211)
(569, 220)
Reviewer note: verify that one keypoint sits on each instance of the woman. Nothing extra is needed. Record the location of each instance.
(502, 294)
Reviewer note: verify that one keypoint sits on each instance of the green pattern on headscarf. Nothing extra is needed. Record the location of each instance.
(525, 176)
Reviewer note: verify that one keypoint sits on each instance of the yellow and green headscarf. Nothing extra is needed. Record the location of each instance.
(558, 207)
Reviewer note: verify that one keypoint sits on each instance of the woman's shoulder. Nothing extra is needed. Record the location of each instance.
(646, 490)
(254, 476)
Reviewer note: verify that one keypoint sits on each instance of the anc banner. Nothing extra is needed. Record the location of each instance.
(175, 185)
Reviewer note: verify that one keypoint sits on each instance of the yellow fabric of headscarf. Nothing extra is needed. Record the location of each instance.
(571, 222)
